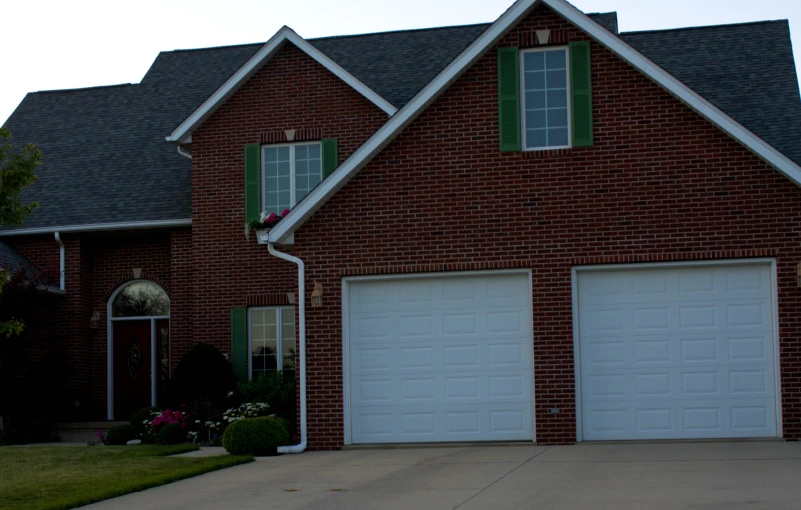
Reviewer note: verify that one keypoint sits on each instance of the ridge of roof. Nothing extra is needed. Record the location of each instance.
(399, 31)
(707, 27)
(83, 89)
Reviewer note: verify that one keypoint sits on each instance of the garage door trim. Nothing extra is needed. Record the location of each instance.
(345, 318)
(670, 265)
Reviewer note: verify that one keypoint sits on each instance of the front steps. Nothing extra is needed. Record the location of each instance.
(82, 432)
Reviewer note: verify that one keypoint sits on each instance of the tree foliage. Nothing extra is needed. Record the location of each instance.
(16, 174)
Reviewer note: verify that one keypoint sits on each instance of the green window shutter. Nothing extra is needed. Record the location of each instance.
(252, 182)
(509, 99)
(581, 92)
(239, 343)
(330, 156)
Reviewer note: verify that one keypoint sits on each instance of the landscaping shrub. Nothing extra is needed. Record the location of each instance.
(255, 436)
(276, 389)
(202, 375)
(171, 433)
(141, 420)
(121, 434)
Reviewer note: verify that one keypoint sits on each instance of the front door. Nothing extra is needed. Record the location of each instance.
(132, 359)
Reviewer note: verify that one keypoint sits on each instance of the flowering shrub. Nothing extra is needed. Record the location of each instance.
(101, 437)
(248, 410)
(169, 417)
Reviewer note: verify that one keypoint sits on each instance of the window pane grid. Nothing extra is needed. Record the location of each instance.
(290, 172)
(272, 340)
(545, 98)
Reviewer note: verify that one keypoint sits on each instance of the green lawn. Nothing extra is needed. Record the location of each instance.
(40, 477)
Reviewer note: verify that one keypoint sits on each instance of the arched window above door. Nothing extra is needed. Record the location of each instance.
(141, 299)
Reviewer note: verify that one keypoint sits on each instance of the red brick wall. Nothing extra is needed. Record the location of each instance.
(291, 91)
(660, 183)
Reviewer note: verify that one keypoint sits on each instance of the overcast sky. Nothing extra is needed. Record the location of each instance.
(59, 44)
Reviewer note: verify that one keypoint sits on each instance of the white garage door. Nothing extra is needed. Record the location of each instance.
(440, 359)
(684, 352)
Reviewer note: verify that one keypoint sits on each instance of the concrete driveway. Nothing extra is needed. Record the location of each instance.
(650, 476)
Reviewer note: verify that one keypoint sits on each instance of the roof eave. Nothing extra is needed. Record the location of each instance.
(183, 133)
(494, 32)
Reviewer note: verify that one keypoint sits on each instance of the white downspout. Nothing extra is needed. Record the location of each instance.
(298, 448)
(183, 152)
(62, 263)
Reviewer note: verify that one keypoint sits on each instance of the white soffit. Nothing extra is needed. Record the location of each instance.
(381, 138)
(183, 132)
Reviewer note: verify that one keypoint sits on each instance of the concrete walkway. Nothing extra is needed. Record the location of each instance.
(750, 475)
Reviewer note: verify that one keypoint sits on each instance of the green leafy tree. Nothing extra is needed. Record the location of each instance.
(16, 174)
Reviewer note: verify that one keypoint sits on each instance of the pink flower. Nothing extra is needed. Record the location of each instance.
(284, 212)
(271, 218)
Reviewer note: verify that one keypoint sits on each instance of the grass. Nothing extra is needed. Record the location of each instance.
(57, 478)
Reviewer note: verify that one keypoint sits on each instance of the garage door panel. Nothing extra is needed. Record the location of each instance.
(428, 423)
(441, 359)
(685, 383)
(694, 346)
(445, 356)
(459, 387)
(702, 419)
(440, 294)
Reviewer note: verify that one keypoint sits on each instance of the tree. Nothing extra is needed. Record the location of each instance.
(16, 174)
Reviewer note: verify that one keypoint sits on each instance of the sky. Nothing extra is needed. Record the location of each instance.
(56, 44)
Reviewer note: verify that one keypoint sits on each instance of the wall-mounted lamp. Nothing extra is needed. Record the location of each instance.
(94, 322)
(317, 295)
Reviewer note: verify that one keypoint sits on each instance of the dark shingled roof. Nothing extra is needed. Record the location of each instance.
(106, 160)
(747, 70)
(11, 258)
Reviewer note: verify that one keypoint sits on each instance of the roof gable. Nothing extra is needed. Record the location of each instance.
(521, 8)
(183, 133)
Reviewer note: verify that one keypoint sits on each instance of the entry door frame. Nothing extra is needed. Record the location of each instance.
(346, 281)
(576, 270)
(110, 346)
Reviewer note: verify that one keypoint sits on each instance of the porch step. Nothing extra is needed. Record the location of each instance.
(80, 432)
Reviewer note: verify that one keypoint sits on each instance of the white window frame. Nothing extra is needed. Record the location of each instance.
(292, 184)
(524, 133)
(279, 334)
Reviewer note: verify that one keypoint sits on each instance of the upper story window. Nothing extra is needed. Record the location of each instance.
(289, 173)
(545, 99)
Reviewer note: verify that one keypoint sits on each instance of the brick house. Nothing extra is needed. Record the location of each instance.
(536, 229)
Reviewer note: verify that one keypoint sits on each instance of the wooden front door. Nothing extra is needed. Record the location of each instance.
(132, 359)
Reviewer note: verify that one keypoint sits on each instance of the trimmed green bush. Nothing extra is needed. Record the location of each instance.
(171, 434)
(121, 434)
(274, 388)
(255, 436)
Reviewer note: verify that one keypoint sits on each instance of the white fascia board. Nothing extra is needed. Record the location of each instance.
(679, 90)
(98, 227)
(398, 122)
(314, 200)
(183, 133)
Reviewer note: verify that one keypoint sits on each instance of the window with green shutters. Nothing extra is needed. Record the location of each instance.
(277, 177)
(545, 97)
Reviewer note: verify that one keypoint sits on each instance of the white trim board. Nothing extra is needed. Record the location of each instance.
(183, 133)
(576, 270)
(398, 122)
(97, 227)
